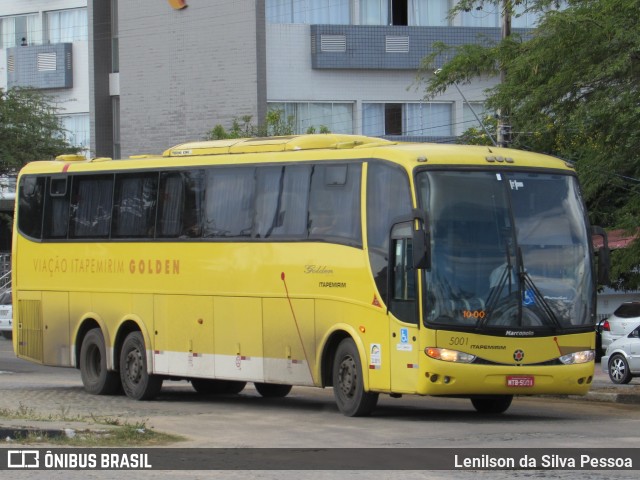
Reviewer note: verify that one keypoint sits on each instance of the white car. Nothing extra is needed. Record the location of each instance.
(622, 360)
(6, 314)
(624, 319)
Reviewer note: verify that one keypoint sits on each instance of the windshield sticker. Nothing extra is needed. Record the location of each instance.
(515, 184)
(498, 177)
(375, 357)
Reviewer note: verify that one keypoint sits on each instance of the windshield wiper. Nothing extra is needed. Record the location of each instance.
(496, 292)
(526, 284)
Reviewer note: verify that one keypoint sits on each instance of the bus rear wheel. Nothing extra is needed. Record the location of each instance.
(272, 390)
(492, 404)
(348, 384)
(96, 379)
(208, 386)
(136, 380)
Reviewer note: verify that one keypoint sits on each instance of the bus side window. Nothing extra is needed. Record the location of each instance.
(30, 206)
(334, 202)
(134, 209)
(291, 215)
(56, 218)
(170, 205)
(402, 302)
(91, 206)
(388, 198)
(229, 202)
(180, 203)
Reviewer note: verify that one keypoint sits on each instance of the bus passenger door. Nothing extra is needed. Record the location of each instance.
(403, 309)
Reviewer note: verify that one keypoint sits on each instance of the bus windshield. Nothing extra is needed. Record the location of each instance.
(509, 251)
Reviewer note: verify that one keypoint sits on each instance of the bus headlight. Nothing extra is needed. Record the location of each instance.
(578, 357)
(449, 355)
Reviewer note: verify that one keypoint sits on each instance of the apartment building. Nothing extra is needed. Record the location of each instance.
(44, 44)
(148, 74)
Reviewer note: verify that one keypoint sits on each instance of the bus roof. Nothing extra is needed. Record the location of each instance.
(312, 147)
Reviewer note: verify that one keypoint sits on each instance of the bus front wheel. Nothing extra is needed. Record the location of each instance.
(492, 404)
(136, 380)
(96, 379)
(348, 384)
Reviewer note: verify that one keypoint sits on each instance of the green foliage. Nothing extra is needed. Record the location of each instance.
(572, 89)
(477, 135)
(29, 128)
(275, 125)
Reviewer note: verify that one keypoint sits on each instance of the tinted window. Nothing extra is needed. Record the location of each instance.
(91, 203)
(134, 208)
(229, 202)
(282, 201)
(180, 204)
(334, 202)
(30, 206)
(628, 310)
(56, 219)
(388, 198)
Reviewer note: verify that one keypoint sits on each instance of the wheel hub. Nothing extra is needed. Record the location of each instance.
(347, 376)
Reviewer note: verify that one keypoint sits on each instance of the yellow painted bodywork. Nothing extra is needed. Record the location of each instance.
(239, 302)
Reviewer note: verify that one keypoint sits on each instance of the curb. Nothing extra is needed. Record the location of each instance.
(608, 397)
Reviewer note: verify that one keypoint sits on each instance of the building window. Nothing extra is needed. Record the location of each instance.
(20, 30)
(404, 12)
(487, 15)
(411, 119)
(77, 130)
(67, 26)
(310, 117)
(424, 13)
(336, 12)
(469, 120)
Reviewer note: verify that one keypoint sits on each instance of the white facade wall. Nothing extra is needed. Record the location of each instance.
(290, 78)
(74, 101)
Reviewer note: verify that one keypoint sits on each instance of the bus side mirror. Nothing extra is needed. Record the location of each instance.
(421, 241)
(604, 261)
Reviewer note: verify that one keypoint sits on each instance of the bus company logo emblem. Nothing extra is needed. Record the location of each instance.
(518, 355)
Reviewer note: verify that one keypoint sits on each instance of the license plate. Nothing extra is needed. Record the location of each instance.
(520, 381)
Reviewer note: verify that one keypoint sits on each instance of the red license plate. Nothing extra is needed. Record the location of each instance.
(520, 381)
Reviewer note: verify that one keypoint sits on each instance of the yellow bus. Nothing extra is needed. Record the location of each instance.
(316, 260)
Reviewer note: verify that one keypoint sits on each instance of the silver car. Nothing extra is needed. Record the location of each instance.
(622, 360)
(624, 319)
(6, 314)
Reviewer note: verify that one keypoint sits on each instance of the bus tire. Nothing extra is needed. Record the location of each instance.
(96, 379)
(348, 384)
(272, 390)
(492, 404)
(136, 380)
(208, 386)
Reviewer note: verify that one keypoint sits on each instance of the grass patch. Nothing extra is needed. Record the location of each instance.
(115, 432)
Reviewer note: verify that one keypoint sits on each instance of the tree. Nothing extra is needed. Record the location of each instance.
(572, 89)
(276, 124)
(29, 128)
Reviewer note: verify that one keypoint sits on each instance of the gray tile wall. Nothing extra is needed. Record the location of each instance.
(184, 71)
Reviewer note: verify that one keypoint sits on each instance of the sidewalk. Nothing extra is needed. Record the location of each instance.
(604, 390)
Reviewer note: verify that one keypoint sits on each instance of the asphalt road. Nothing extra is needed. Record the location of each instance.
(308, 418)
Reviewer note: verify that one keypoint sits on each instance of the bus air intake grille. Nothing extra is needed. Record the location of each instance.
(30, 330)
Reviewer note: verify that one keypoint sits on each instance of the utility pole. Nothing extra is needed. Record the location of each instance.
(504, 127)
